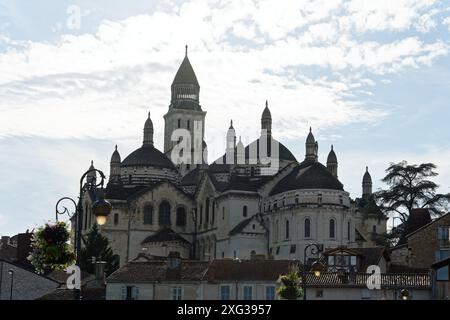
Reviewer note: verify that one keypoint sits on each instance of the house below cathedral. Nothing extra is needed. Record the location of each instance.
(238, 206)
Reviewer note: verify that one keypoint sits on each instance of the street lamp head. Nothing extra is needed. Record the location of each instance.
(101, 209)
(404, 294)
(11, 272)
(317, 268)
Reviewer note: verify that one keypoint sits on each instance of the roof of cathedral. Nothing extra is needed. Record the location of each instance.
(367, 178)
(332, 158)
(148, 155)
(283, 154)
(185, 73)
(159, 270)
(310, 138)
(115, 158)
(118, 192)
(308, 175)
(266, 113)
(191, 178)
(239, 228)
(165, 235)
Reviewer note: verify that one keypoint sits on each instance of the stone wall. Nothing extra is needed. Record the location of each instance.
(26, 285)
(424, 243)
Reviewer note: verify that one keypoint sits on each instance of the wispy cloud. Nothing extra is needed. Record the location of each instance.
(320, 63)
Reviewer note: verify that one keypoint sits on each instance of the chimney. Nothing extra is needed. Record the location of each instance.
(23, 246)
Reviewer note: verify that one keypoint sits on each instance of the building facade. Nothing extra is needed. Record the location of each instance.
(254, 200)
(256, 279)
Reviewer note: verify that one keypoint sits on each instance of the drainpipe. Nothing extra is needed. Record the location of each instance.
(154, 290)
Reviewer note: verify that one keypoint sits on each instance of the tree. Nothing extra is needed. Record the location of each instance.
(410, 187)
(290, 285)
(97, 246)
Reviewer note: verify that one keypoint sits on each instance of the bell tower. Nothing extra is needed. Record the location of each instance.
(185, 112)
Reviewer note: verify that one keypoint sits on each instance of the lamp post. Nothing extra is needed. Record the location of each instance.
(101, 208)
(11, 273)
(316, 267)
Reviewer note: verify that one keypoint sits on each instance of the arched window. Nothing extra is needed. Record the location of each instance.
(223, 213)
(148, 214)
(307, 228)
(129, 179)
(116, 219)
(244, 211)
(207, 210)
(201, 216)
(276, 230)
(332, 228)
(181, 217)
(287, 229)
(213, 214)
(164, 214)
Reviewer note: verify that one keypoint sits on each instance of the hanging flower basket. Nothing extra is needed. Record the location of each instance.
(51, 249)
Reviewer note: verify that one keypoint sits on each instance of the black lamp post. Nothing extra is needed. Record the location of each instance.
(316, 267)
(11, 273)
(101, 208)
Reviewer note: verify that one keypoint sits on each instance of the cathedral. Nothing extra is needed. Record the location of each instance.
(235, 207)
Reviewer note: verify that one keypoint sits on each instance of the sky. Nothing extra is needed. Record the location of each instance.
(79, 77)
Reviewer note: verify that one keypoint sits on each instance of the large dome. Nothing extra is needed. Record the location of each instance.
(283, 152)
(149, 156)
(308, 175)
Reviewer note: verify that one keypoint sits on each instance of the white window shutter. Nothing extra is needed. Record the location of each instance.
(124, 293)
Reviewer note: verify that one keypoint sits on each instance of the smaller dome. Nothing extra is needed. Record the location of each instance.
(332, 158)
(147, 155)
(91, 168)
(367, 178)
(185, 73)
(91, 175)
(148, 123)
(310, 139)
(115, 158)
(266, 113)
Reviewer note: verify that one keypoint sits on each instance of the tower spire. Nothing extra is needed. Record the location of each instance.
(186, 49)
(148, 131)
(266, 121)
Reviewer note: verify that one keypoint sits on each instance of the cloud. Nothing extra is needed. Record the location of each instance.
(125, 65)
(319, 63)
